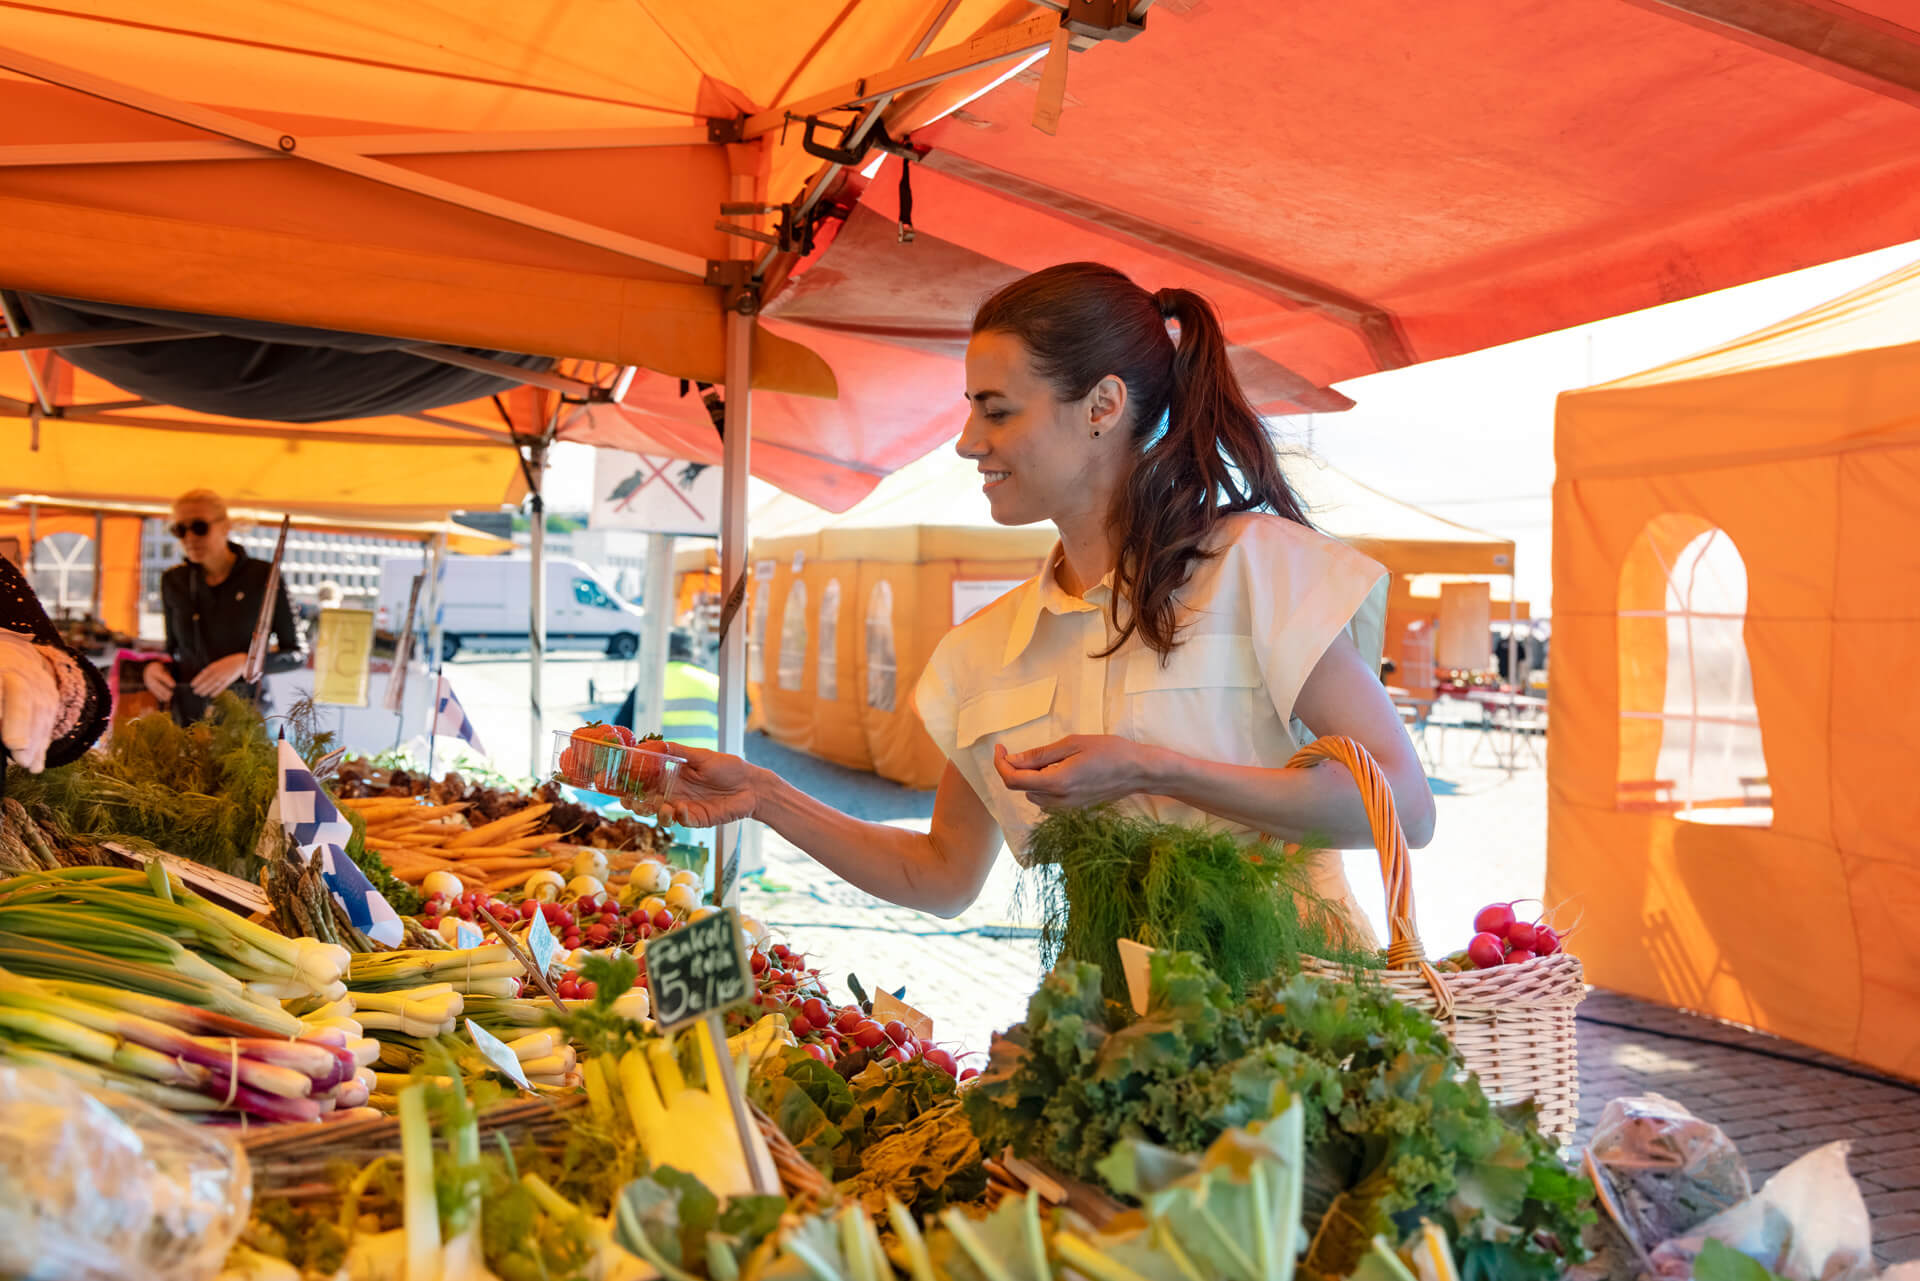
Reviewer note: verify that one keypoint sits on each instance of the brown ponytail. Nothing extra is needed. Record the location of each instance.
(1082, 322)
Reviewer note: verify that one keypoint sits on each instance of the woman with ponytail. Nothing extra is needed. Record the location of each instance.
(1187, 618)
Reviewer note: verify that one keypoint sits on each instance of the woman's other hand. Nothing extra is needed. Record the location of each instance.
(219, 674)
(159, 682)
(1079, 770)
(712, 788)
(29, 701)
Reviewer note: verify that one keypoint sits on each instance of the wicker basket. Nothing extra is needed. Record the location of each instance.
(1512, 1025)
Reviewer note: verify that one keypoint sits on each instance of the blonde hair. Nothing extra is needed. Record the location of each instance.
(206, 496)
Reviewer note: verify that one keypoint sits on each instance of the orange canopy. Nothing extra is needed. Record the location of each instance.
(1359, 186)
(1731, 809)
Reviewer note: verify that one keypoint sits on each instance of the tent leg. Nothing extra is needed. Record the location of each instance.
(536, 605)
(733, 565)
(99, 567)
(33, 536)
(650, 701)
(1513, 673)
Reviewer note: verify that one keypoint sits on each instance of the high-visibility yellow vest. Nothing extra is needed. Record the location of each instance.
(691, 712)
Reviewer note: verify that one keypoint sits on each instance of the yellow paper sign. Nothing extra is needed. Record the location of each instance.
(343, 657)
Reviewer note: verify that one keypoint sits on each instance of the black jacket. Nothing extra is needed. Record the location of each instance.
(205, 623)
(20, 611)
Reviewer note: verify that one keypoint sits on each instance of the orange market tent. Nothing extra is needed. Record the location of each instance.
(846, 609)
(1736, 610)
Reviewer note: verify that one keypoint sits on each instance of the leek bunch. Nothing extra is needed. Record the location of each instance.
(175, 1056)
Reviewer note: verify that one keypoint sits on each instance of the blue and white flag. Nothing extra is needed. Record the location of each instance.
(316, 826)
(451, 718)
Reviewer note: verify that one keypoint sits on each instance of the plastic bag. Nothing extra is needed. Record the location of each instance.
(95, 1185)
(1661, 1171)
(1808, 1223)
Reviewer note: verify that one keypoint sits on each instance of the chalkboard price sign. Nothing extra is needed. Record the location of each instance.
(697, 970)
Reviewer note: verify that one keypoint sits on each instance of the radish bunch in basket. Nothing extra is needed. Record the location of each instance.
(1501, 937)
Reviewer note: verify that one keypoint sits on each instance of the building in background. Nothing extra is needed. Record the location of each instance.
(351, 561)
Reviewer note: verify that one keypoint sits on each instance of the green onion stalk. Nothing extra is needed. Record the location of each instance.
(43, 958)
(158, 902)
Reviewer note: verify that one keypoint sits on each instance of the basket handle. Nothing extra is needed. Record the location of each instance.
(1404, 948)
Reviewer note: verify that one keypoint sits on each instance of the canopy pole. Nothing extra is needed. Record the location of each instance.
(1513, 672)
(536, 601)
(99, 568)
(33, 536)
(651, 700)
(733, 570)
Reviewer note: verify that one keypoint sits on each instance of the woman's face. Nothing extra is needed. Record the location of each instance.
(1037, 455)
(199, 547)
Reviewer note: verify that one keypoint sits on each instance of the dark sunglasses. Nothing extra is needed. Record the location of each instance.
(198, 528)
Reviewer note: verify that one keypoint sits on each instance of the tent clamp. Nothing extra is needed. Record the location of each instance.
(1090, 21)
(727, 129)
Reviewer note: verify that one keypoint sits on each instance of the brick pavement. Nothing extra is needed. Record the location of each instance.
(1776, 1100)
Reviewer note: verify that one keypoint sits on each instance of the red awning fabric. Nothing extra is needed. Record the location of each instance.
(1358, 187)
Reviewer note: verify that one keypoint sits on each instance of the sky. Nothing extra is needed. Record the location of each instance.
(1471, 438)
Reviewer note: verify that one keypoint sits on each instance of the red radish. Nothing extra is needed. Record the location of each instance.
(1521, 934)
(897, 1032)
(1519, 956)
(1545, 941)
(779, 951)
(1486, 951)
(967, 1074)
(801, 1025)
(1495, 918)
(759, 962)
(663, 919)
(816, 1011)
(868, 1034)
(587, 989)
(899, 1054)
(795, 962)
(850, 1018)
(941, 1059)
(821, 1052)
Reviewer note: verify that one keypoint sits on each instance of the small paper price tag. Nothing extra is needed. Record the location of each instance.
(541, 943)
(1135, 962)
(496, 1052)
(887, 1007)
(467, 935)
(697, 970)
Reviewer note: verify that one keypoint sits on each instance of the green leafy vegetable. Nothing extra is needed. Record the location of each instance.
(1102, 876)
(1395, 1130)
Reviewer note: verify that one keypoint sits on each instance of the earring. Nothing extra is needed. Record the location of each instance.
(1096, 433)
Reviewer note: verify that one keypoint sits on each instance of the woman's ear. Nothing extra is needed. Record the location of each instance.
(1107, 405)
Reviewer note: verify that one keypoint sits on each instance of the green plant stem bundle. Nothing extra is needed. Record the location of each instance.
(1250, 912)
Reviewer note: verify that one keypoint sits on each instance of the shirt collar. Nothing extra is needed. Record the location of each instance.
(1043, 592)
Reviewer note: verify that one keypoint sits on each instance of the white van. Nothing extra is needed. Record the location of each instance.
(485, 599)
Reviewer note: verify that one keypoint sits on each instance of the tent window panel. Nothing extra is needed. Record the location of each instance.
(827, 682)
(1710, 763)
(793, 638)
(757, 633)
(881, 667)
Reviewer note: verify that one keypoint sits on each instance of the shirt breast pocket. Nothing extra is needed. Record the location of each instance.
(1019, 717)
(1201, 701)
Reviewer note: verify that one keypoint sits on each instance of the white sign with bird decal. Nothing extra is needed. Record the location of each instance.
(654, 494)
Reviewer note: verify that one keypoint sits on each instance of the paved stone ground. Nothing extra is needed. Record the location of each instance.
(974, 974)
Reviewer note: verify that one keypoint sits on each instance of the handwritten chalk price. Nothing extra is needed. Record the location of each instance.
(697, 970)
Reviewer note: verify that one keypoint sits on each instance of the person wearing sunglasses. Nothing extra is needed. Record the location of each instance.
(211, 602)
